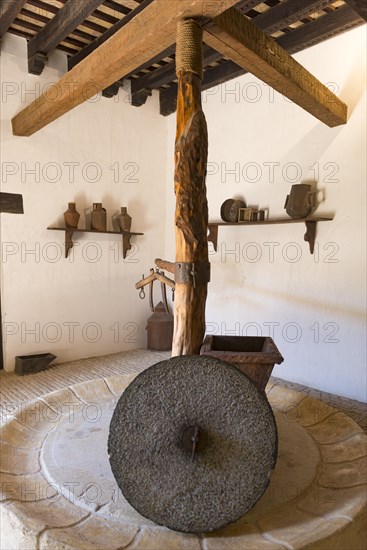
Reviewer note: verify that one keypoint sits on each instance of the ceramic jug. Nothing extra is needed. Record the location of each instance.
(300, 201)
(124, 219)
(98, 217)
(71, 216)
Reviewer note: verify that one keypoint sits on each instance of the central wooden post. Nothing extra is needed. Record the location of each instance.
(192, 270)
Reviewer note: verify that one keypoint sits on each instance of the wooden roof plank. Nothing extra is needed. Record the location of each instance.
(151, 31)
(8, 12)
(248, 46)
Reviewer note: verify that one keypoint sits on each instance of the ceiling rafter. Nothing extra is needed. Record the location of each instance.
(74, 60)
(56, 30)
(9, 9)
(320, 29)
(288, 12)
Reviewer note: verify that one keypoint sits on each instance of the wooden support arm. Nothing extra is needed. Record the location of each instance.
(165, 280)
(164, 264)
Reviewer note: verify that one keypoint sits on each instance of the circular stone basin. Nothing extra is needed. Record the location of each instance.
(58, 490)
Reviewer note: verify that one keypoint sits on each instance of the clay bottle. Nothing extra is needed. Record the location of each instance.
(71, 216)
(98, 217)
(124, 219)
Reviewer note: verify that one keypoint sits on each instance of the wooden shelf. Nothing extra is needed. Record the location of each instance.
(126, 245)
(310, 222)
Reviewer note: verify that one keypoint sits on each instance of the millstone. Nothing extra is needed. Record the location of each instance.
(192, 443)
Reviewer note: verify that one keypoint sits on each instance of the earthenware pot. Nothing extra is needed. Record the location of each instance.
(71, 216)
(124, 219)
(98, 217)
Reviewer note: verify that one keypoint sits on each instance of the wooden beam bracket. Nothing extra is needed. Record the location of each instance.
(112, 90)
(213, 235)
(310, 235)
(140, 98)
(37, 62)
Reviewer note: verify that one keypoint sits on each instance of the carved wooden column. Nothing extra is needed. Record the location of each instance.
(192, 270)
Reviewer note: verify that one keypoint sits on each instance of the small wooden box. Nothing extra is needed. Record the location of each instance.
(29, 364)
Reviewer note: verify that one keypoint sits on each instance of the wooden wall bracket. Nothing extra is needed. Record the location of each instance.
(126, 235)
(310, 222)
(310, 234)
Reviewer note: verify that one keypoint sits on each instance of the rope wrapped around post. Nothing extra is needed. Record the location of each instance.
(189, 50)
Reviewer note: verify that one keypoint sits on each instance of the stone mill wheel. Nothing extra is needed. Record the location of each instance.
(192, 443)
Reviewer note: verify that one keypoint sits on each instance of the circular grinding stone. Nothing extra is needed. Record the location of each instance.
(162, 479)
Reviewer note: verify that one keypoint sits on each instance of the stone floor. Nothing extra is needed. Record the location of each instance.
(58, 495)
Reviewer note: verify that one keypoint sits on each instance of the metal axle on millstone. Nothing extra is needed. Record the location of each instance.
(194, 440)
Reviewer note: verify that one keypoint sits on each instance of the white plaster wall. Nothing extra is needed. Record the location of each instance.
(264, 280)
(86, 305)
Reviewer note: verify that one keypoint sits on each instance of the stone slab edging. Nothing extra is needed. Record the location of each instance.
(316, 499)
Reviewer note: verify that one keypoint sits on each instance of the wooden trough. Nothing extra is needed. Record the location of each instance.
(255, 356)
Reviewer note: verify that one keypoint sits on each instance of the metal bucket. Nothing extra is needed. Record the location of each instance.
(160, 329)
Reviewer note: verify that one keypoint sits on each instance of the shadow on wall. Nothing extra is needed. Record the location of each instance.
(354, 88)
(314, 144)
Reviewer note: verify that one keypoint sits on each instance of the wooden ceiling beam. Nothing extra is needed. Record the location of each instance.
(249, 47)
(9, 10)
(148, 33)
(68, 18)
(360, 6)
